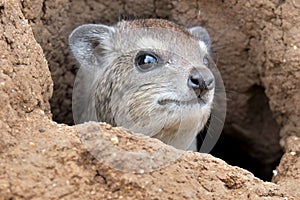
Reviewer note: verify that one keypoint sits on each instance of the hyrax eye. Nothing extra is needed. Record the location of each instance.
(206, 61)
(145, 61)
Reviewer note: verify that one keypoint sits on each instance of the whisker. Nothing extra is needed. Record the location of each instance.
(226, 90)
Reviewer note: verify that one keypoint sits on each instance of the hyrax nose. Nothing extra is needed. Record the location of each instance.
(201, 82)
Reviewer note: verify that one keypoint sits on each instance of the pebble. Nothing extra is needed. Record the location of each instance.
(114, 140)
(42, 130)
(32, 144)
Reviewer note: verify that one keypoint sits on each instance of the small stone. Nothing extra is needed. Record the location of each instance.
(32, 144)
(275, 172)
(293, 153)
(129, 188)
(114, 140)
(42, 130)
(108, 127)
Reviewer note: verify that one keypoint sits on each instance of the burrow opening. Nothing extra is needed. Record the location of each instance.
(254, 147)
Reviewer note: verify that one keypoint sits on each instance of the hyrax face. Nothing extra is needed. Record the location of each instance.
(150, 76)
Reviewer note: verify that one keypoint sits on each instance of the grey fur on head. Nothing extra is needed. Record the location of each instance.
(150, 76)
(202, 34)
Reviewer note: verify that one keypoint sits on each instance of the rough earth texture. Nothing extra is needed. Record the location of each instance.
(257, 52)
(287, 174)
(255, 46)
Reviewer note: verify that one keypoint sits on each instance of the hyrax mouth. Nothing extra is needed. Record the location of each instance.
(196, 101)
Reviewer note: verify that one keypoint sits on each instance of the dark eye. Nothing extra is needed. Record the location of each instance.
(145, 61)
(206, 61)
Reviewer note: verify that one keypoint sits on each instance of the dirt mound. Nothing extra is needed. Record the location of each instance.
(257, 54)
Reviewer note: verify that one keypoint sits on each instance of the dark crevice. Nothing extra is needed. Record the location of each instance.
(44, 8)
(255, 146)
(232, 150)
(99, 175)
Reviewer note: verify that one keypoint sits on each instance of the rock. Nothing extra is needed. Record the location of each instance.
(288, 171)
(255, 46)
(41, 159)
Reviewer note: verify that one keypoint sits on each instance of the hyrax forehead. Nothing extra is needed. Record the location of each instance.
(97, 46)
(152, 23)
(159, 35)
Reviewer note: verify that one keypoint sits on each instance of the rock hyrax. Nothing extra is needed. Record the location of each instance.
(150, 76)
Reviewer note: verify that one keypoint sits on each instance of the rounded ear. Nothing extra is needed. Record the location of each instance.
(202, 35)
(89, 42)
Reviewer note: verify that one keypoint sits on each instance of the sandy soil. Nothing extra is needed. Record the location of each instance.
(257, 51)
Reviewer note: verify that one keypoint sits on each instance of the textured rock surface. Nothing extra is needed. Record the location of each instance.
(255, 46)
(53, 164)
(25, 81)
(288, 171)
(41, 159)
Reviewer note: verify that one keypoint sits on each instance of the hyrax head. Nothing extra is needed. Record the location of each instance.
(150, 76)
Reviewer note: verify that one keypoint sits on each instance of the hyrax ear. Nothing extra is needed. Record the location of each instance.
(89, 42)
(202, 35)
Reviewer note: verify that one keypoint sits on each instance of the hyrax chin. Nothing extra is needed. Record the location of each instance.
(150, 76)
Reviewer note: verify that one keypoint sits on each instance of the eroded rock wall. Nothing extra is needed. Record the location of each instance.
(41, 159)
(25, 81)
(255, 47)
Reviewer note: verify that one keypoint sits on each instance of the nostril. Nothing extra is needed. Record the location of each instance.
(210, 84)
(193, 82)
